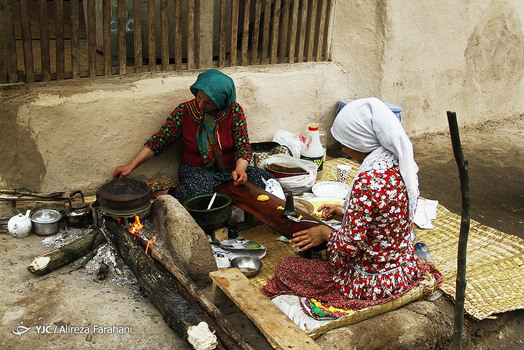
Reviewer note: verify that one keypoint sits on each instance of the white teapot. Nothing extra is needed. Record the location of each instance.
(20, 225)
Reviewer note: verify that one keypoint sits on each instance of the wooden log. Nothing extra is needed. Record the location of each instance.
(24, 205)
(192, 292)
(54, 259)
(34, 195)
(159, 286)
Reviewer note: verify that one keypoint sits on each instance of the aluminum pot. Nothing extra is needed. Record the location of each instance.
(46, 221)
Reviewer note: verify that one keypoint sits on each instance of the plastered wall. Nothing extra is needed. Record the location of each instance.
(428, 57)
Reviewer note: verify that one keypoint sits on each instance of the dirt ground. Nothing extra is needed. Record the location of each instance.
(52, 305)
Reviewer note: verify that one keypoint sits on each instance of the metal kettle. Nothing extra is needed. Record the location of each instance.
(79, 213)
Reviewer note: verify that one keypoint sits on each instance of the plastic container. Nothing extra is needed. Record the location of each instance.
(313, 150)
(422, 252)
(394, 108)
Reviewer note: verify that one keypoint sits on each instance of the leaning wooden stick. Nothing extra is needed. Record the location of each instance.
(456, 341)
(54, 259)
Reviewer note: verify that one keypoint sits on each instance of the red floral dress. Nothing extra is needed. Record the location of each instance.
(370, 258)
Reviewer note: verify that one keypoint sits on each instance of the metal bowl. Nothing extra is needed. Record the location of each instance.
(248, 265)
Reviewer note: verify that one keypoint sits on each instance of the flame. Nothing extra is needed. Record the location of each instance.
(151, 241)
(135, 228)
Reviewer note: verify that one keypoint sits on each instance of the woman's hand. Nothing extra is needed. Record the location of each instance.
(239, 174)
(122, 171)
(239, 177)
(311, 237)
(142, 156)
(331, 211)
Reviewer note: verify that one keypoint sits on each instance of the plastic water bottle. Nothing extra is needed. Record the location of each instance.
(422, 251)
(313, 150)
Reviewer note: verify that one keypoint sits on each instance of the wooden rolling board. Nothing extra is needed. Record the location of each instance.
(279, 330)
(245, 197)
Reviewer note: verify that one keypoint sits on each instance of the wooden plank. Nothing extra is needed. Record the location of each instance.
(321, 29)
(279, 330)
(312, 30)
(44, 40)
(75, 41)
(283, 32)
(190, 34)
(204, 14)
(122, 17)
(5, 22)
(302, 36)
(293, 32)
(25, 21)
(164, 35)
(245, 197)
(256, 31)
(151, 35)
(266, 32)
(222, 35)
(8, 62)
(137, 38)
(327, 32)
(59, 34)
(91, 37)
(178, 34)
(234, 32)
(106, 18)
(274, 37)
(245, 34)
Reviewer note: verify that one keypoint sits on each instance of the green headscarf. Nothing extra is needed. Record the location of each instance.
(218, 86)
(221, 89)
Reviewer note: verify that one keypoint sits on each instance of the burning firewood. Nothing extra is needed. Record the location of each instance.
(54, 259)
(227, 334)
(159, 286)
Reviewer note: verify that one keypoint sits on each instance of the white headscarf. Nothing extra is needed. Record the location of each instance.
(367, 125)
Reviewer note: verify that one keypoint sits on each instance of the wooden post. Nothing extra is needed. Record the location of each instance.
(456, 341)
(204, 29)
(8, 68)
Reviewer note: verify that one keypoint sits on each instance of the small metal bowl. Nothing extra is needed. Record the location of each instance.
(248, 265)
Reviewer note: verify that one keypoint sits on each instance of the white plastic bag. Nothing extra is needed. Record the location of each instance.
(296, 184)
(294, 142)
(273, 187)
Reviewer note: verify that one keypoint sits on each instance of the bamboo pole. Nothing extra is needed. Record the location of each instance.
(456, 341)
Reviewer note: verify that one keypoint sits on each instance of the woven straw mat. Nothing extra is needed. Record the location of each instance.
(495, 263)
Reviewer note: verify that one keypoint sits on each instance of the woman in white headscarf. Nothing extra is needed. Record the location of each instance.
(371, 257)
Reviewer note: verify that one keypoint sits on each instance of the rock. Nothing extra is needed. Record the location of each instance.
(184, 238)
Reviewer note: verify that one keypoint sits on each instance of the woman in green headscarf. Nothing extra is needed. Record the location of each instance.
(215, 142)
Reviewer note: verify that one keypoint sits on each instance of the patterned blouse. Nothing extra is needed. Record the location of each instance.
(183, 124)
(373, 254)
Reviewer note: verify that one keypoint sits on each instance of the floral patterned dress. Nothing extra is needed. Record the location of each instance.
(370, 258)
